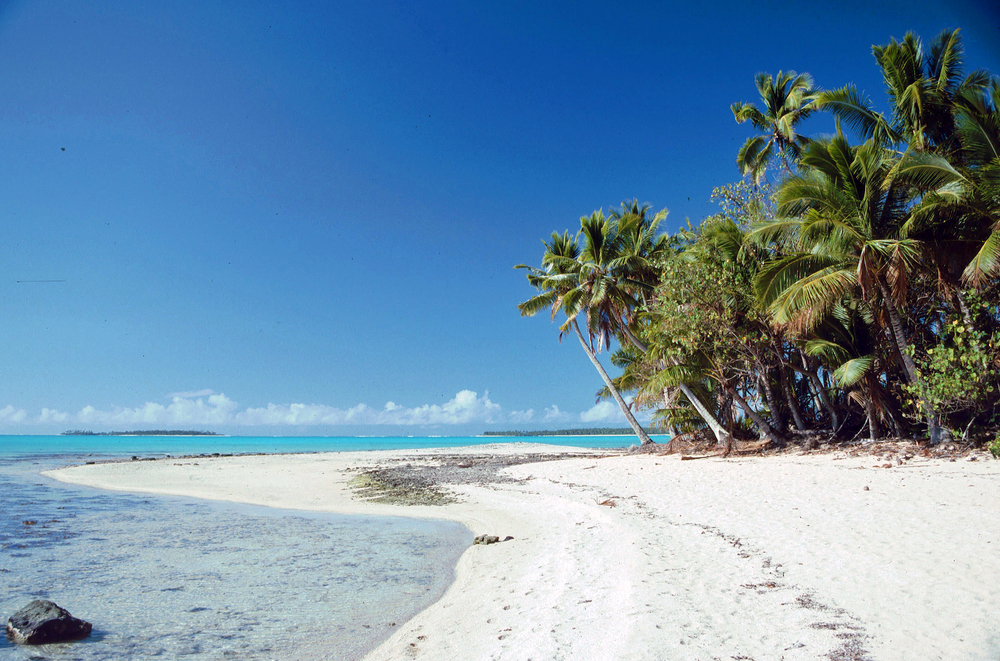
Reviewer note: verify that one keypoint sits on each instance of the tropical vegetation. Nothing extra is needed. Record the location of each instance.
(847, 287)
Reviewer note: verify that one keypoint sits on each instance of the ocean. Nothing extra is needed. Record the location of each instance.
(176, 578)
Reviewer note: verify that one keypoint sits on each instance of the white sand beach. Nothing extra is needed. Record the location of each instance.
(650, 557)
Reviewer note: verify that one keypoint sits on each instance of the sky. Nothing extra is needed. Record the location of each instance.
(302, 218)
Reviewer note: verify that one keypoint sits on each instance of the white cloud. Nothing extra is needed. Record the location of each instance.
(10, 414)
(521, 416)
(466, 406)
(209, 409)
(305, 414)
(204, 392)
(216, 409)
(552, 413)
(603, 412)
(195, 409)
(51, 415)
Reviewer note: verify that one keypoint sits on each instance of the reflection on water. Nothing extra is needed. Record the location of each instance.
(172, 578)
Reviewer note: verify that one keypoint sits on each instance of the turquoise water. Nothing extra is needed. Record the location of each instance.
(226, 444)
(175, 578)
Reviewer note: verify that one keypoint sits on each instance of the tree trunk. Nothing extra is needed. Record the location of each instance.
(964, 309)
(793, 402)
(813, 390)
(761, 423)
(668, 403)
(790, 399)
(909, 367)
(772, 401)
(820, 391)
(873, 427)
(717, 429)
(636, 427)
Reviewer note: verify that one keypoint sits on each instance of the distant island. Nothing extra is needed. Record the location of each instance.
(587, 431)
(141, 432)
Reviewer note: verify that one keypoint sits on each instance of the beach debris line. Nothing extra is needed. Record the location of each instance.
(43, 621)
(421, 481)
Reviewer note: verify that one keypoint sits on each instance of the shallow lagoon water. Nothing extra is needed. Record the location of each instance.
(172, 578)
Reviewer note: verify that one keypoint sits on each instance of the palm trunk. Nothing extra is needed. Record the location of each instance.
(761, 423)
(790, 399)
(873, 427)
(717, 429)
(793, 402)
(772, 401)
(668, 402)
(909, 367)
(636, 427)
(820, 392)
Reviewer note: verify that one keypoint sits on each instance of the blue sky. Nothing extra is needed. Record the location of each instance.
(299, 218)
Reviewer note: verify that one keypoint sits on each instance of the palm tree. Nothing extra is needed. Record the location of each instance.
(640, 245)
(846, 212)
(787, 100)
(847, 344)
(922, 87)
(959, 206)
(634, 262)
(979, 132)
(571, 282)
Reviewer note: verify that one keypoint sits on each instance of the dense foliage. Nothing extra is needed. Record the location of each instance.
(847, 286)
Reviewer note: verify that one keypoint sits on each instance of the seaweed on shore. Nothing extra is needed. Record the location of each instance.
(384, 485)
(406, 483)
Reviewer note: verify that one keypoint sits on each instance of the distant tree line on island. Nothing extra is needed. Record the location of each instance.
(586, 431)
(141, 432)
(849, 285)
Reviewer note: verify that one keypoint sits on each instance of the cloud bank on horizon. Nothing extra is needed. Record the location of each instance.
(208, 408)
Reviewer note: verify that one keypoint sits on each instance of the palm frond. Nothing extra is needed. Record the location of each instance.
(778, 276)
(830, 352)
(847, 105)
(986, 263)
(926, 172)
(852, 371)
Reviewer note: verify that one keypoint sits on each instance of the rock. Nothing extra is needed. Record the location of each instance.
(486, 539)
(45, 622)
(866, 488)
(973, 458)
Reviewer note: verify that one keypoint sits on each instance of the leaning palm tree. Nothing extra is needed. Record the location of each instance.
(641, 245)
(787, 100)
(570, 283)
(631, 266)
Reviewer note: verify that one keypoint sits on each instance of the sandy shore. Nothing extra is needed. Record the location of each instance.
(650, 557)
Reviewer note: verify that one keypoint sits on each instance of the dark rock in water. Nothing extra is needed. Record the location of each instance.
(486, 539)
(45, 622)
